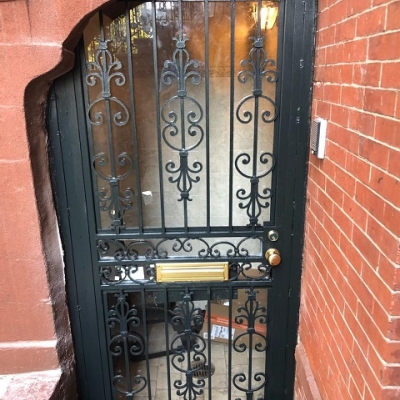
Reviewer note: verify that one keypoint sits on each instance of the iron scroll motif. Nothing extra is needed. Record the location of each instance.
(105, 70)
(147, 250)
(181, 68)
(251, 314)
(122, 319)
(257, 68)
(188, 348)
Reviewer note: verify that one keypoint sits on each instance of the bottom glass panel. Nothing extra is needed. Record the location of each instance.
(188, 343)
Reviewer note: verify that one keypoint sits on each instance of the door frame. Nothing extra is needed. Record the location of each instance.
(66, 113)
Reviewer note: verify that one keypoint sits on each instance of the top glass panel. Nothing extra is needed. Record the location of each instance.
(181, 114)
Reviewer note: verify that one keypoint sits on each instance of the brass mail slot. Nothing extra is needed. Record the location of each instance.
(192, 271)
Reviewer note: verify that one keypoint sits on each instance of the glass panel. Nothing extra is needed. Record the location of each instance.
(181, 111)
(180, 344)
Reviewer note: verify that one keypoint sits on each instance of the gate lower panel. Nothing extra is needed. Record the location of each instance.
(188, 342)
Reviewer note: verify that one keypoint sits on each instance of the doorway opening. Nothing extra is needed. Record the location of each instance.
(176, 155)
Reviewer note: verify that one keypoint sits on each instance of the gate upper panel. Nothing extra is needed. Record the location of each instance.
(181, 113)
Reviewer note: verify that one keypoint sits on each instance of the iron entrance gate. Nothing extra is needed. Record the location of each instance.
(178, 146)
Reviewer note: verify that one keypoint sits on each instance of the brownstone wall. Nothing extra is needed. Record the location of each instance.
(36, 39)
(350, 325)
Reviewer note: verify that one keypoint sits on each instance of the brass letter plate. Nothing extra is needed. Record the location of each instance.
(192, 271)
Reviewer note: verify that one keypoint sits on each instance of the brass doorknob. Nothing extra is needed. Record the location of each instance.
(273, 256)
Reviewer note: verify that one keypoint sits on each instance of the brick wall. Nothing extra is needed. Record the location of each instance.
(350, 312)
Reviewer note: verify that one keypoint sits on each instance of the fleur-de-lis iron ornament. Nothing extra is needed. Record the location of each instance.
(124, 342)
(257, 68)
(179, 124)
(105, 69)
(188, 348)
(250, 314)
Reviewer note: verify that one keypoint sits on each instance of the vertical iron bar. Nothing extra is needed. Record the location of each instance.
(209, 341)
(231, 122)
(207, 89)
(129, 387)
(110, 363)
(166, 327)
(181, 85)
(251, 324)
(159, 142)
(255, 151)
(230, 345)
(146, 341)
(107, 101)
(133, 118)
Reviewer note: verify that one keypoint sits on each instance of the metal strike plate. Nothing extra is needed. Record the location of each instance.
(192, 272)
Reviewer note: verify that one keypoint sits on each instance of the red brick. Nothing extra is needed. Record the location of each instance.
(335, 153)
(343, 221)
(355, 50)
(371, 22)
(380, 101)
(386, 185)
(398, 106)
(326, 37)
(337, 12)
(362, 122)
(388, 131)
(366, 246)
(384, 47)
(390, 74)
(389, 273)
(358, 168)
(318, 92)
(393, 20)
(334, 54)
(374, 152)
(390, 394)
(323, 19)
(323, 110)
(355, 7)
(394, 162)
(370, 201)
(332, 93)
(391, 219)
(315, 174)
(355, 212)
(345, 181)
(343, 137)
(340, 115)
(353, 96)
(345, 30)
(367, 74)
(390, 376)
(382, 238)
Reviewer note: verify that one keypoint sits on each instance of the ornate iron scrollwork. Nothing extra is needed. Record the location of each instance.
(117, 274)
(179, 124)
(188, 348)
(123, 343)
(256, 65)
(151, 250)
(105, 69)
(250, 314)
